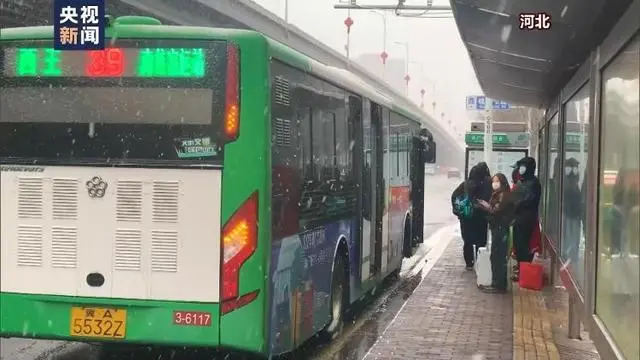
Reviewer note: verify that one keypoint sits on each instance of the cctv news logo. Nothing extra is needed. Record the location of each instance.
(78, 24)
(535, 21)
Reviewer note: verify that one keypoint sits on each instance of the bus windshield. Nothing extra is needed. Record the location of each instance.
(137, 100)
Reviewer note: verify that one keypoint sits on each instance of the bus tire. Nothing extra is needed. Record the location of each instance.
(339, 297)
(407, 239)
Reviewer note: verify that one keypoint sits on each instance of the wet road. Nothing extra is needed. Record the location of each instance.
(367, 321)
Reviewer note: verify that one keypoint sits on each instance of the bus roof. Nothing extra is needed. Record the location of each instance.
(136, 31)
(347, 80)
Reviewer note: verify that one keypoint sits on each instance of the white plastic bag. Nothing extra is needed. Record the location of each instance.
(483, 267)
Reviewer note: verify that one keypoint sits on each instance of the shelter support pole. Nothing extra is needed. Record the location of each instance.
(574, 317)
(488, 139)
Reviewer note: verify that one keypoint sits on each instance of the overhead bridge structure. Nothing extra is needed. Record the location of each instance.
(239, 14)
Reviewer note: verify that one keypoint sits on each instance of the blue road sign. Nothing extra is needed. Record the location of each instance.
(78, 24)
(476, 102)
(481, 102)
(471, 102)
(500, 105)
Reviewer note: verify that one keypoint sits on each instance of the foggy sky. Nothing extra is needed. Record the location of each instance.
(435, 43)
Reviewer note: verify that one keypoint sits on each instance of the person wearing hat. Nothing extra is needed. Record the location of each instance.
(473, 224)
(526, 197)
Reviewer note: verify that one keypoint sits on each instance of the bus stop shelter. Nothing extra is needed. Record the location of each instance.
(583, 70)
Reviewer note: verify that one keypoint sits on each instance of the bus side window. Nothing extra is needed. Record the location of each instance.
(317, 170)
(287, 164)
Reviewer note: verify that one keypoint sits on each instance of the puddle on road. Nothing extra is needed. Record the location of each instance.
(363, 333)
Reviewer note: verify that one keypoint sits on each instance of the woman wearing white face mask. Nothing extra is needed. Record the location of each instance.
(500, 214)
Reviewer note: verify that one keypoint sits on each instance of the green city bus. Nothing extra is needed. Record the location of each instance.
(193, 186)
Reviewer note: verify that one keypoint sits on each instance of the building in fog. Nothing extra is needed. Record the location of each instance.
(393, 73)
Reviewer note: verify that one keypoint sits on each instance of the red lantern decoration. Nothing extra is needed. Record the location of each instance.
(348, 22)
(384, 57)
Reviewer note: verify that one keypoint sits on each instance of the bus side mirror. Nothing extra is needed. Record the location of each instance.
(430, 153)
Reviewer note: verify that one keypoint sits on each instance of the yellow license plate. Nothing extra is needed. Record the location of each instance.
(98, 322)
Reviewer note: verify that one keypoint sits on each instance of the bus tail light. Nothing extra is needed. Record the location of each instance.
(232, 105)
(239, 242)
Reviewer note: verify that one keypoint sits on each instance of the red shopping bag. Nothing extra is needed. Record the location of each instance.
(531, 276)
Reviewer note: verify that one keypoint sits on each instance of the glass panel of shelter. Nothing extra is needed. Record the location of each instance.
(618, 243)
(553, 180)
(572, 248)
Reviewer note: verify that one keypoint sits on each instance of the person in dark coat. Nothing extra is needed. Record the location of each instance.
(526, 197)
(474, 228)
(535, 244)
(572, 212)
(500, 214)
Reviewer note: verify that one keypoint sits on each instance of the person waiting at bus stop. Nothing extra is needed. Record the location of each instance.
(473, 224)
(526, 197)
(500, 214)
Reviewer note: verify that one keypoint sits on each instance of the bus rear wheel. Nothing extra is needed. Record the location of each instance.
(339, 298)
(408, 243)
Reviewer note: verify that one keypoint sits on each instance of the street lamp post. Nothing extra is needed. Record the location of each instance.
(421, 81)
(286, 12)
(286, 17)
(407, 78)
(383, 55)
(488, 137)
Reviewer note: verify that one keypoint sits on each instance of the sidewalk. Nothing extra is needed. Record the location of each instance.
(448, 318)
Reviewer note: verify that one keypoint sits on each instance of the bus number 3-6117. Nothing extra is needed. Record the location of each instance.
(192, 318)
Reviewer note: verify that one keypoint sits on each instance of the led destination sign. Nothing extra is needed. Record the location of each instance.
(107, 63)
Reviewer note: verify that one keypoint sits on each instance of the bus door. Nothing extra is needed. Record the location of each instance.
(383, 189)
(377, 193)
(371, 248)
(418, 158)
